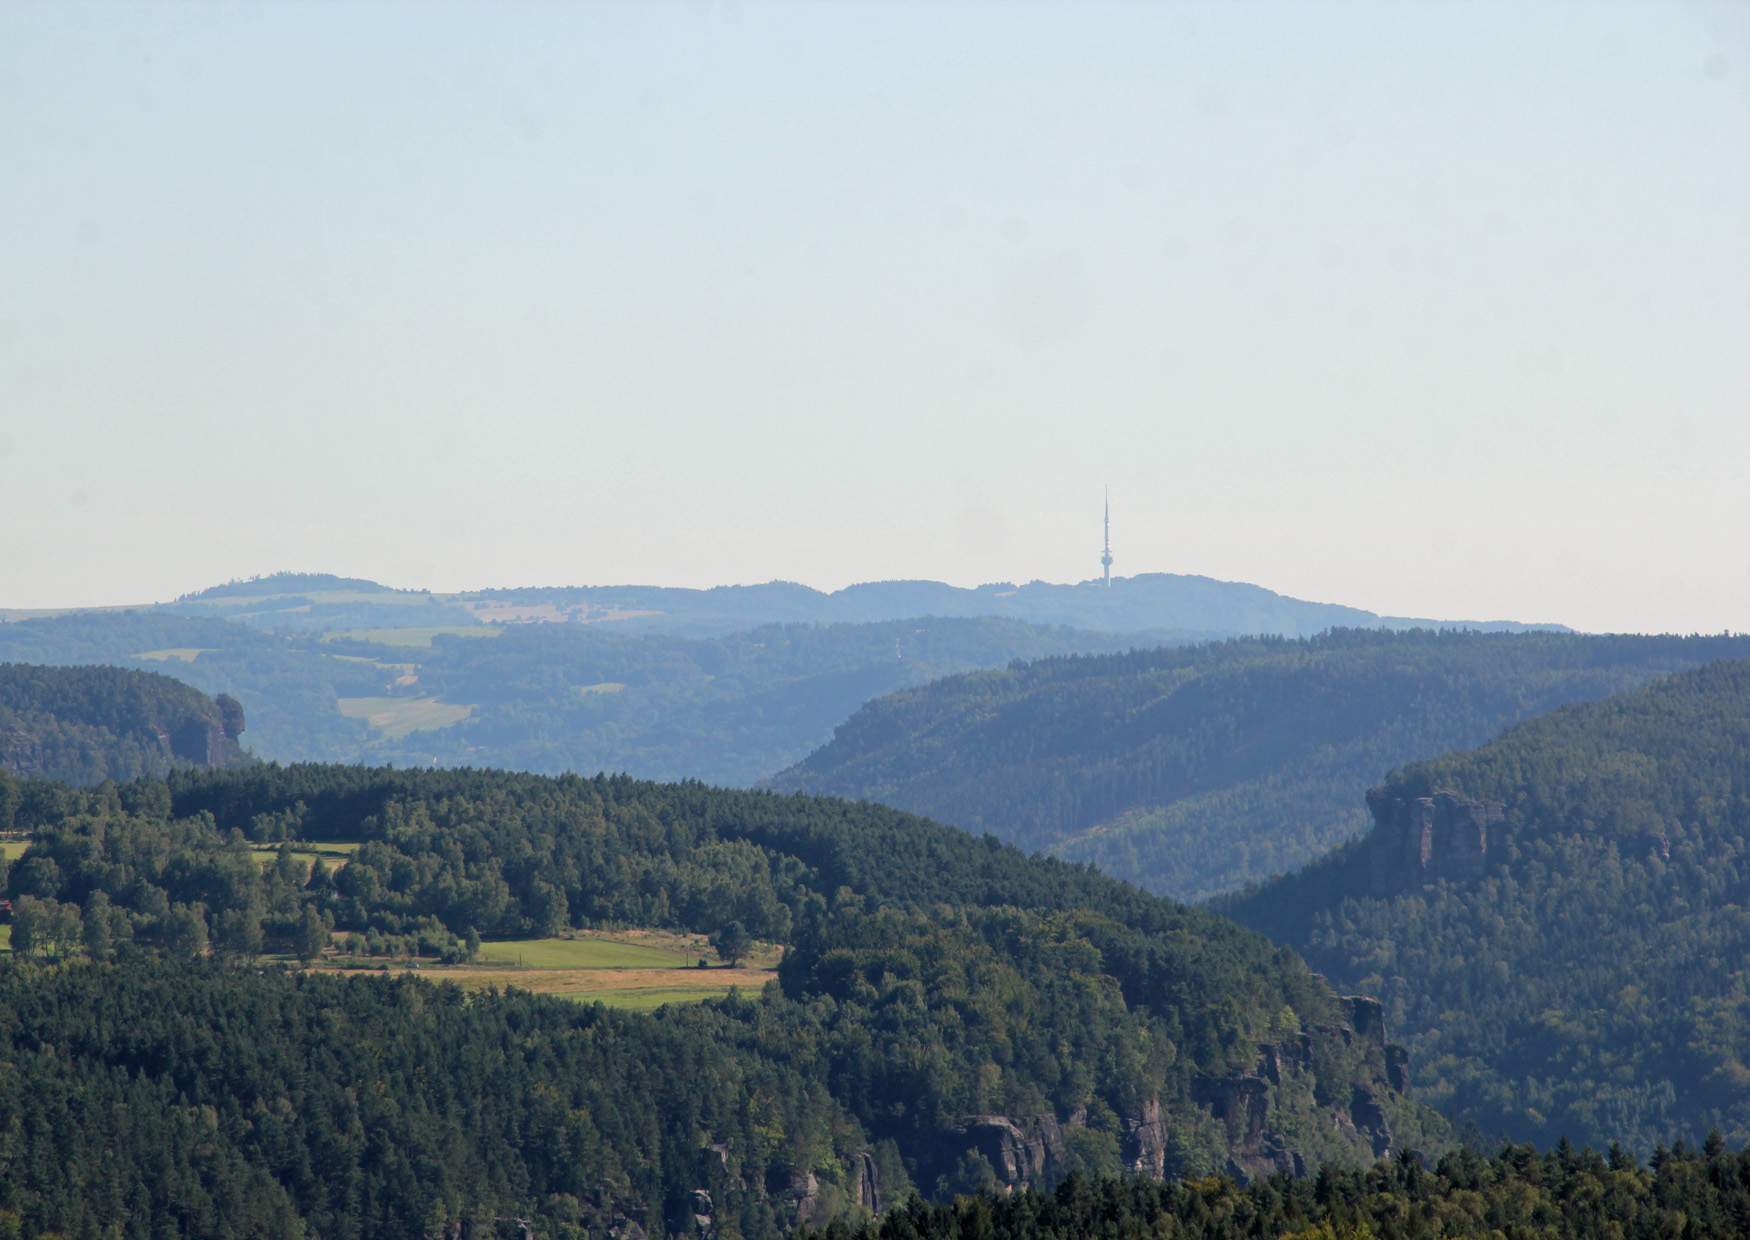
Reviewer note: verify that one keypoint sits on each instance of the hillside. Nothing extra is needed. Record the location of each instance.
(544, 697)
(1193, 771)
(87, 724)
(1181, 607)
(1556, 920)
(948, 1014)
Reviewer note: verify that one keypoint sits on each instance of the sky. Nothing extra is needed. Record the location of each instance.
(1437, 310)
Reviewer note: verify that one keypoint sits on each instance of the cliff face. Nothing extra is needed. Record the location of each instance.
(1278, 1117)
(1420, 839)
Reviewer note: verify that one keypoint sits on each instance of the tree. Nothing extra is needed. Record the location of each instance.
(240, 931)
(312, 935)
(98, 932)
(185, 931)
(732, 943)
(552, 912)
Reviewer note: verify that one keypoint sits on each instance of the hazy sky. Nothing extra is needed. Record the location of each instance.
(1432, 309)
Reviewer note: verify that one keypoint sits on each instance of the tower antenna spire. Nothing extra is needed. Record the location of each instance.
(1106, 552)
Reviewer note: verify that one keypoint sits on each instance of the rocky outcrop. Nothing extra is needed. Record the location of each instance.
(1420, 839)
(1147, 1152)
(866, 1183)
(1021, 1151)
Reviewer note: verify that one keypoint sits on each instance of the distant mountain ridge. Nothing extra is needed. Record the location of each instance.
(1184, 608)
(1196, 770)
(83, 725)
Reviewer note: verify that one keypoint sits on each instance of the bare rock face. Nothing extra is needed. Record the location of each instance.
(866, 1182)
(1419, 839)
(21, 753)
(1367, 1015)
(1022, 1151)
(1148, 1131)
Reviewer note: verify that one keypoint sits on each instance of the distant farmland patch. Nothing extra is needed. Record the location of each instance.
(396, 717)
(414, 636)
(605, 686)
(182, 654)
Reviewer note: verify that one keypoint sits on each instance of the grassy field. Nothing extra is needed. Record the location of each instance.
(333, 852)
(180, 654)
(396, 717)
(636, 969)
(414, 636)
(584, 953)
(6, 939)
(12, 850)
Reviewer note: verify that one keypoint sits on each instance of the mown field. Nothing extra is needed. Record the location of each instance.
(637, 969)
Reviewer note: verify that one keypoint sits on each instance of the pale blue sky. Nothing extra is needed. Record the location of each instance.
(1431, 309)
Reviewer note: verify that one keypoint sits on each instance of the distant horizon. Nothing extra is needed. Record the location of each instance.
(8, 607)
(1431, 309)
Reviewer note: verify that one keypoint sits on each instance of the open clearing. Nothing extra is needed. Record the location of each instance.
(413, 636)
(585, 953)
(12, 850)
(396, 717)
(638, 969)
(333, 852)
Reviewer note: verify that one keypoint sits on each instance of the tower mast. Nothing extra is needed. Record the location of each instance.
(1106, 554)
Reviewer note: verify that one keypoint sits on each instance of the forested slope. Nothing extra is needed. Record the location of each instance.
(1557, 919)
(730, 708)
(88, 724)
(950, 1013)
(1563, 1195)
(1195, 770)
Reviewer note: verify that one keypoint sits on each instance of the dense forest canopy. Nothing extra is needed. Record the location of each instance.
(1195, 770)
(85, 725)
(945, 1000)
(1556, 921)
(1565, 1194)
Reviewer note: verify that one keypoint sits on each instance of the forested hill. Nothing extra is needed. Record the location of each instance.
(1195, 770)
(1557, 920)
(950, 1014)
(731, 709)
(1181, 606)
(84, 725)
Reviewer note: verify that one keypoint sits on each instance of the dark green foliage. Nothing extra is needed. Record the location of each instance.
(930, 976)
(1565, 1195)
(1193, 771)
(210, 1101)
(83, 725)
(1589, 979)
(731, 943)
